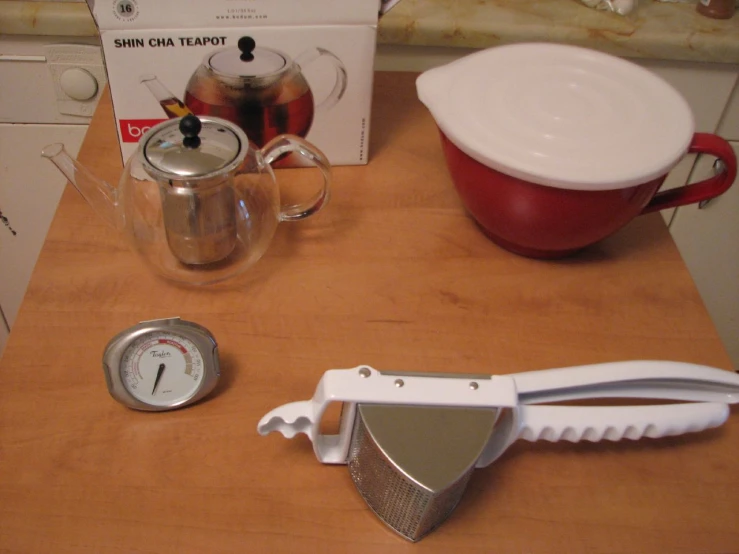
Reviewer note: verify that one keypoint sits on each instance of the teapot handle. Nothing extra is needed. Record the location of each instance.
(311, 55)
(285, 144)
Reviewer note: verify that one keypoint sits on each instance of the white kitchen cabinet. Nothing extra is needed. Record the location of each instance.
(4, 334)
(30, 189)
(729, 126)
(708, 239)
(35, 111)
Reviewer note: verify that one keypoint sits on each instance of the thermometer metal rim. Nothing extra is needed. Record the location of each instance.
(199, 336)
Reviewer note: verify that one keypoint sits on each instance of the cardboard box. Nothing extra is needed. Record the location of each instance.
(270, 66)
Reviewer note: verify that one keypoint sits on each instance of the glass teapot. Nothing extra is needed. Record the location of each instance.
(197, 202)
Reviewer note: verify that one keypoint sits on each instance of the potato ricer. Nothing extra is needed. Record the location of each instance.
(412, 440)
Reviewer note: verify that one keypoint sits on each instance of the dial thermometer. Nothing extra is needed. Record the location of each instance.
(161, 364)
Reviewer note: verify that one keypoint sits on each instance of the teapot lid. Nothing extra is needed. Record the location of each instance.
(247, 61)
(193, 147)
(560, 116)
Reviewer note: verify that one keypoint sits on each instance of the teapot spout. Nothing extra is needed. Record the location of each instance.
(99, 194)
(172, 106)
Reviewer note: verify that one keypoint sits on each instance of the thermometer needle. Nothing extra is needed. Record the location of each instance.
(160, 371)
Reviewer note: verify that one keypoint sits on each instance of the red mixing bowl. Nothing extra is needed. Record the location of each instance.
(547, 222)
(553, 148)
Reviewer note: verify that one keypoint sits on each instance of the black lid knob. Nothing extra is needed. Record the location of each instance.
(246, 45)
(190, 127)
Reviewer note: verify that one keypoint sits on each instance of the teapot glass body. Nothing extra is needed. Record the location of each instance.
(202, 211)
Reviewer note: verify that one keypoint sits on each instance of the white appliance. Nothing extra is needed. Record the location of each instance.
(49, 88)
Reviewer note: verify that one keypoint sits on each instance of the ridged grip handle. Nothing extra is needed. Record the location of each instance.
(574, 423)
(289, 420)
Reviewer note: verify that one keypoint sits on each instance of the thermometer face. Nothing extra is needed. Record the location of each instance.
(161, 364)
(162, 368)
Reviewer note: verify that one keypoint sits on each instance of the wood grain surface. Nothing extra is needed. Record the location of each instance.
(392, 274)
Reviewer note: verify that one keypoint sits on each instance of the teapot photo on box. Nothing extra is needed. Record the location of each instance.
(260, 89)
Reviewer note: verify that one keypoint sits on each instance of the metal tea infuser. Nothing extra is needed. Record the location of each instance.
(411, 441)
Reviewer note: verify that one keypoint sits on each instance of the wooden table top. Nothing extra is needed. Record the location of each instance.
(392, 274)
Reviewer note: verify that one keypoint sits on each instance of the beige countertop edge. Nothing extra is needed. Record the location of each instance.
(655, 32)
(46, 19)
(697, 49)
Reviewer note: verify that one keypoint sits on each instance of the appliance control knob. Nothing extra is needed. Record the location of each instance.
(78, 84)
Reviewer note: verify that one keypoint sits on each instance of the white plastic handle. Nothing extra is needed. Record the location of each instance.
(636, 379)
(364, 384)
(632, 379)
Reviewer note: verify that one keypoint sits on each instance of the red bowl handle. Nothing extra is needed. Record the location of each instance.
(702, 143)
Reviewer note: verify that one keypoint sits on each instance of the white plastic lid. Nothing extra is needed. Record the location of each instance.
(561, 116)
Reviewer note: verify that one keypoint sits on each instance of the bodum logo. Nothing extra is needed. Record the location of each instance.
(133, 129)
